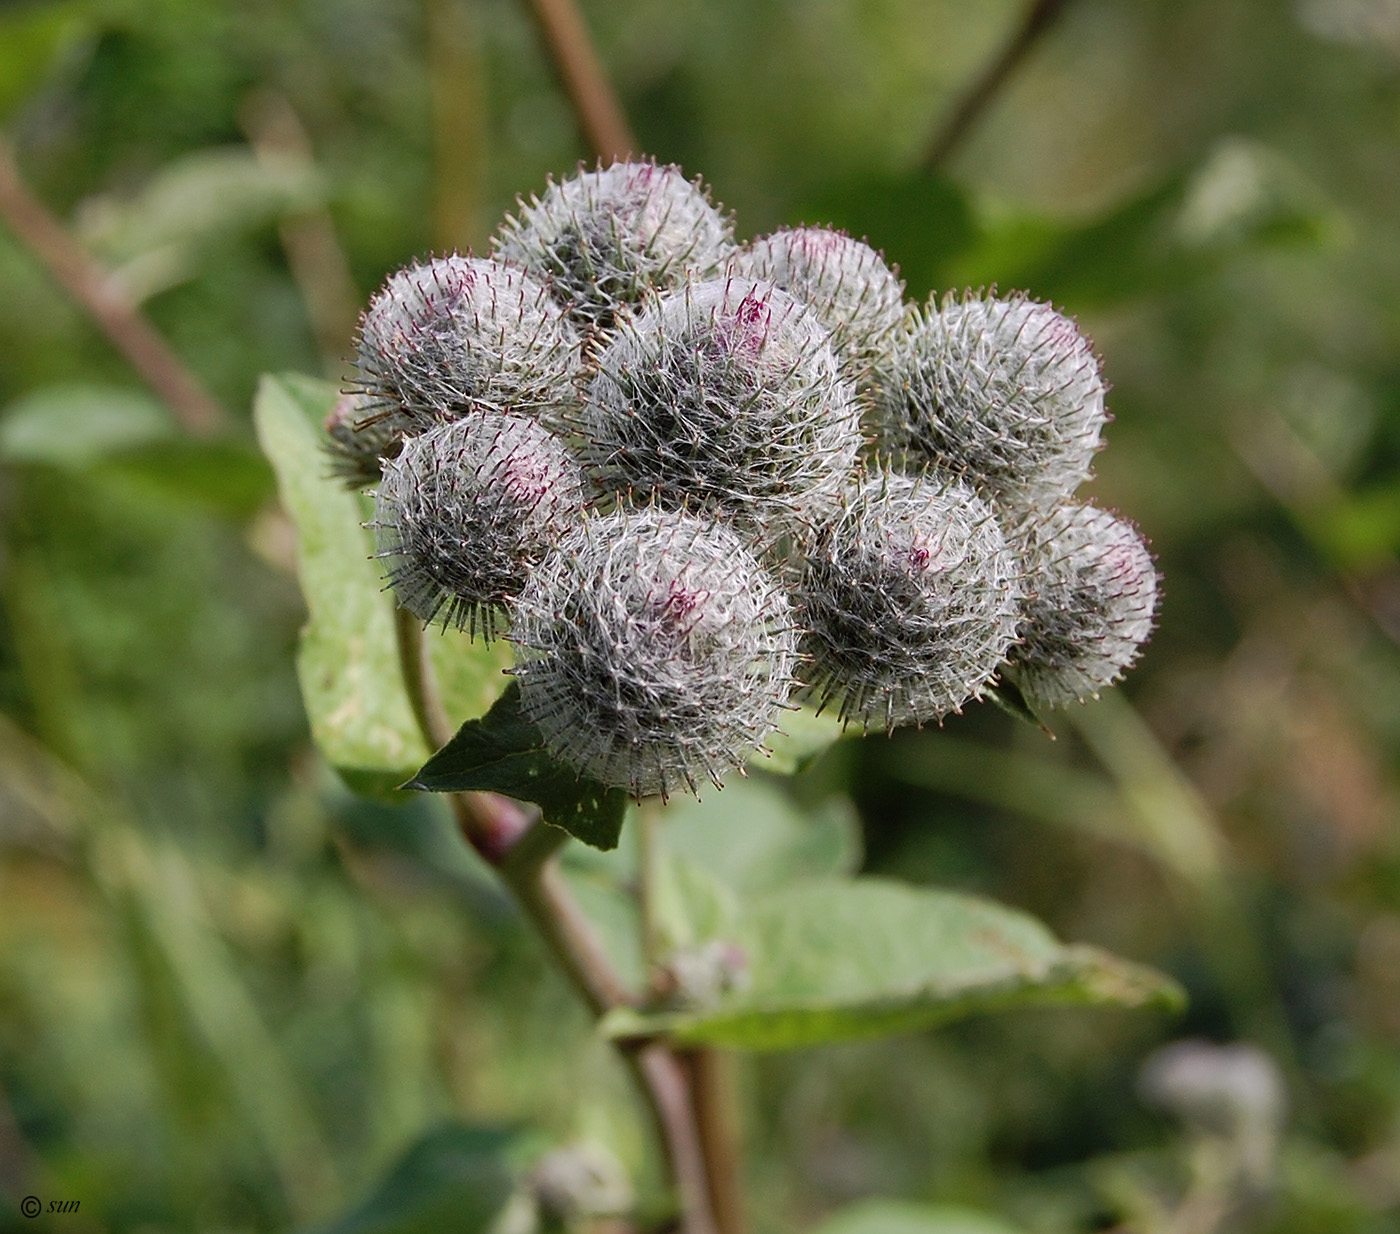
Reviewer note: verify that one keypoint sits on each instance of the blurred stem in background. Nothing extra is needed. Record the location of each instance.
(314, 255)
(93, 290)
(456, 74)
(1039, 17)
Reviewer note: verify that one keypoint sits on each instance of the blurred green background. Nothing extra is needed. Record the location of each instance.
(232, 995)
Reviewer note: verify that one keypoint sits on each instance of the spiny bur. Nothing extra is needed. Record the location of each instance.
(841, 279)
(1004, 391)
(908, 602)
(724, 396)
(460, 333)
(466, 509)
(653, 651)
(608, 433)
(359, 441)
(604, 239)
(1091, 598)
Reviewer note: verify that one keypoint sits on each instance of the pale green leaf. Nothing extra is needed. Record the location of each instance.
(348, 660)
(71, 424)
(832, 961)
(803, 737)
(754, 837)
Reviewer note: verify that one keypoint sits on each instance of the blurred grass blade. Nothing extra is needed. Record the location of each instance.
(160, 884)
(902, 1217)
(453, 1179)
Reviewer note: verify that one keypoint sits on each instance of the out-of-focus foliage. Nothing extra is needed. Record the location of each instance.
(233, 997)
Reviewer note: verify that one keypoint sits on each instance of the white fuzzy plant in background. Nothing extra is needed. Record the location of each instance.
(700, 483)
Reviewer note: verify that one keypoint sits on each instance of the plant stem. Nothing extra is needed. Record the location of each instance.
(524, 849)
(647, 859)
(98, 294)
(418, 680)
(531, 871)
(711, 1079)
(456, 86)
(1040, 16)
(600, 115)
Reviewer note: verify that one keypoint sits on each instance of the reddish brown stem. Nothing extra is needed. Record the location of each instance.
(523, 849)
(99, 296)
(1040, 16)
(600, 115)
(711, 1085)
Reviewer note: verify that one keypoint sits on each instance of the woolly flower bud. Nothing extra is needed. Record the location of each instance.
(1006, 391)
(724, 396)
(466, 509)
(844, 281)
(604, 238)
(1220, 1088)
(908, 602)
(652, 650)
(461, 333)
(579, 1180)
(1092, 595)
(358, 440)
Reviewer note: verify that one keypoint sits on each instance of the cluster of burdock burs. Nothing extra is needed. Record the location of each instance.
(697, 484)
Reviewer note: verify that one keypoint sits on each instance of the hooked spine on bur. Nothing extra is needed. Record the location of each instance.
(646, 450)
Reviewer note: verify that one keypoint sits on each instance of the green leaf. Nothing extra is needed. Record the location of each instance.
(156, 237)
(72, 424)
(754, 837)
(348, 659)
(901, 1217)
(834, 961)
(455, 1178)
(803, 738)
(503, 752)
(1007, 695)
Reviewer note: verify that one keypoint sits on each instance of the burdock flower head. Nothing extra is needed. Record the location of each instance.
(604, 239)
(463, 333)
(1091, 597)
(843, 280)
(1004, 391)
(466, 509)
(653, 651)
(908, 601)
(724, 396)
